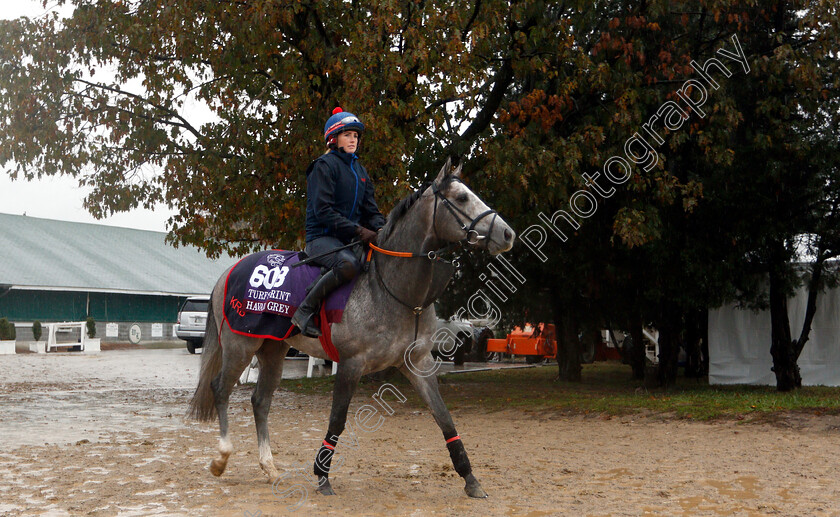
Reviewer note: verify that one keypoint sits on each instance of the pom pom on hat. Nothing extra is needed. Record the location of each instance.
(337, 110)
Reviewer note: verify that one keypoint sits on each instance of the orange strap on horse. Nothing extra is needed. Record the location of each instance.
(406, 254)
(431, 255)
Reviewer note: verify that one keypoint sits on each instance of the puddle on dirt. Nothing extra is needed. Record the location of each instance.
(70, 417)
(742, 490)
(613, 474)
(530, 513)
(748, 487)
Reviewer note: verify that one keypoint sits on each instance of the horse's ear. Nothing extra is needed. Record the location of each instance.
(457, 171)
(444, 171)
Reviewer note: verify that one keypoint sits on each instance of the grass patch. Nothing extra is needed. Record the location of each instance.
(606, 388)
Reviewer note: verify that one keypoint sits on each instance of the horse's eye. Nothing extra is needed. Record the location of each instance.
(462, 198)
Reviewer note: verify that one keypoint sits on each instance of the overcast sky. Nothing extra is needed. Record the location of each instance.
(61, 197)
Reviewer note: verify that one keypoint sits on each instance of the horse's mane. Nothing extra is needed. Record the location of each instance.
(402, 207)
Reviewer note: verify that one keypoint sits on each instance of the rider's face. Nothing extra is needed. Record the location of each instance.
(348, 140)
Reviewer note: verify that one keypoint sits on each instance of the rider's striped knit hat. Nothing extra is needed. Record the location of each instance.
(341, 121)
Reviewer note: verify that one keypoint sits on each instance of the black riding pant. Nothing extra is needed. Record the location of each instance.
(345, 263)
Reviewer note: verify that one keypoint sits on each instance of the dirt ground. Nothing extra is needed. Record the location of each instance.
(80, 443)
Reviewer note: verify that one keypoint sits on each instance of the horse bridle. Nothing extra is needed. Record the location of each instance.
(469, 232)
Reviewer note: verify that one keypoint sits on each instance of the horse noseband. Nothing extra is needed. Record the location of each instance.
(472, 236)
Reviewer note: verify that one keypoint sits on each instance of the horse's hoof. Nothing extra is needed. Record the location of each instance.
(473, 487)
(324, 487)
(217, 467)
(270, 471)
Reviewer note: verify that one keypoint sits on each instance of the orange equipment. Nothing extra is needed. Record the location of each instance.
(538, 342)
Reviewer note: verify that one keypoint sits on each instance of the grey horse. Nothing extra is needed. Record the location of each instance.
(382, 327)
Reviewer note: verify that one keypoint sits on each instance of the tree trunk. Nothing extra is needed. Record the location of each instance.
(568, 352)
(693, 344)
(637, 353)
(568, 344)
(781, 348)
(704, 336)
(814, 286)
(669, 349)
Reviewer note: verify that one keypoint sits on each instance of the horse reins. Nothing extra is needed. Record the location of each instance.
(436, 255)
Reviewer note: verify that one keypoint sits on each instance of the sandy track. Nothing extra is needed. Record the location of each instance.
(137, 456)
(529, 464)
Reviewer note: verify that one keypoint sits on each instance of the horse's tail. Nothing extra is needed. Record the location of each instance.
(203, 403)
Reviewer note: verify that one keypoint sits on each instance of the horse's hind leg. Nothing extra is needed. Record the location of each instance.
(237, 352)
(271, 356)
(427, 387)
(346, 381)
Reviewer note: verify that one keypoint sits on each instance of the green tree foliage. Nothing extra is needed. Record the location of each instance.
(780, 182)
(743, 179)
(270, 73)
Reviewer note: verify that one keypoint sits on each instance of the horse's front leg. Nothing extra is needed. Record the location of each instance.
(427, 387)
(346, 380)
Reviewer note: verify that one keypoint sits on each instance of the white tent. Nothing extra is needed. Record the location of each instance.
(739, 343)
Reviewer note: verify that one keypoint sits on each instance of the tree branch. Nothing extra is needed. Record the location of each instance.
(172, 113)
(466, 30)
(501, 81)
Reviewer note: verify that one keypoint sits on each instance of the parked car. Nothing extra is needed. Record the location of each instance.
(192, 320)
(464, 331)
(479, 352)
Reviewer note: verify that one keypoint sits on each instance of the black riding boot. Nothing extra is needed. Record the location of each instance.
(304, 316)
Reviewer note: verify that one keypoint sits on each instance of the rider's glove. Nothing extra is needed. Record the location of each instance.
(365, 235)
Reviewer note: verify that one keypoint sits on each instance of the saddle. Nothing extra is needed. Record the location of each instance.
(263, 291)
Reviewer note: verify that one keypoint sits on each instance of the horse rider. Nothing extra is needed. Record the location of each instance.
(340, 207)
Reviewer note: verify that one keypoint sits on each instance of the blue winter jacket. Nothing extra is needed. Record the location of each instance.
(339, 197)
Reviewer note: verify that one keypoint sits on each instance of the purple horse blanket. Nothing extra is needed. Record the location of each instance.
(263, 291)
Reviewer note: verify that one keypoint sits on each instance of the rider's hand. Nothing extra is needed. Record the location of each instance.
(365, 235)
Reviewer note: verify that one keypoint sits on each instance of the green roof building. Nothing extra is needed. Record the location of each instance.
(55, 271)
